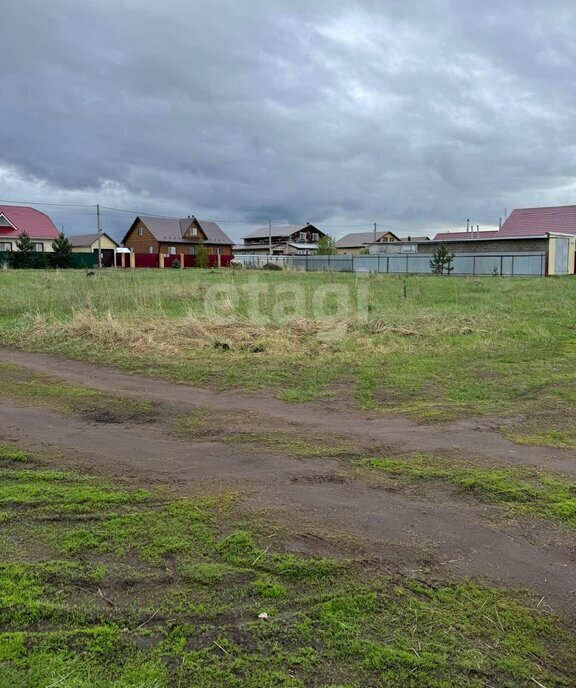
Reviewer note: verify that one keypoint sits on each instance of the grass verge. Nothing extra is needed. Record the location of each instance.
(453, 347)
(108, 587)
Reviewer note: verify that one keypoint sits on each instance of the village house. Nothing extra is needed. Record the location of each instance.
(88, 243)
(532, 241)
(14, 220)
(357, 242)
(287, 240)
(175, 236)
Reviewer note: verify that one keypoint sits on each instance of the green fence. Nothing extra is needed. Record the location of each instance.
(41, 261)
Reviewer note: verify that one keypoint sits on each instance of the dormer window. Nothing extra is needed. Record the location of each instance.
(4, 222)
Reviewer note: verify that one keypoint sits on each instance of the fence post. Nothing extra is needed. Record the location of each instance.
(219, 260)
(512, 268)
(473, 265)
(387, 265)
(182, 261)
(501, 265)
(132, 260)
(160, 260)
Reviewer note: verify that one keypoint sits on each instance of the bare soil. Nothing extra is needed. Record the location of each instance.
(328, 509)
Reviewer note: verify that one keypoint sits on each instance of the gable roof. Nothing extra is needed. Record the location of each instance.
(358, 239)
(81, 240)
(539, 221)
(214, 233)
(25, 219)
(284, 232)
(173, 230)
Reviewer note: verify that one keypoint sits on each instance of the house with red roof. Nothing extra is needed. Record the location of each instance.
(14, 220)
(528, 222)
(543, 240)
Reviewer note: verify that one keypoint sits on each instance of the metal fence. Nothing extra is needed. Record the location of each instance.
(40, 261)
(506, 264)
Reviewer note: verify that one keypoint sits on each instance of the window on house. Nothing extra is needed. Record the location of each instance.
(194, 231)
(302, 236)
(218, 251)
(140, 231)
(191, 250)
(172, 251)
(5, 245)
(150, 249)
(39, 247)
(315, 236)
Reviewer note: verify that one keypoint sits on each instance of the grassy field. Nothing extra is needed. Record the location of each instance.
(111, 585)
(453, 347)
(107, 586)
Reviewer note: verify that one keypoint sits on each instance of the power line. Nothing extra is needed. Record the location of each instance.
(54, 205)
(170, 217)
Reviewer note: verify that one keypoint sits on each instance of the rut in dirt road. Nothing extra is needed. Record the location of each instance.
(469, 437)
(406, 531)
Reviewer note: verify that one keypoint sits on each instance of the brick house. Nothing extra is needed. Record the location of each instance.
(174, 236)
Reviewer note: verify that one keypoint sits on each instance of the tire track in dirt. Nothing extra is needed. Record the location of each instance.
(470, 437)
(404, 531)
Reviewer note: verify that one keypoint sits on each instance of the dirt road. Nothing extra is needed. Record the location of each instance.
(329, 508)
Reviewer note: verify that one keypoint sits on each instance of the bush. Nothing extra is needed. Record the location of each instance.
(176, 264)
(272, 267)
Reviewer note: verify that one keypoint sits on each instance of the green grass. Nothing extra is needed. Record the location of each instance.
(110, 587)
(523, 490)
(11, 453)
(455, 347)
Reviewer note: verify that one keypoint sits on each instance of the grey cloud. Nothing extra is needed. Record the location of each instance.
(414, 114)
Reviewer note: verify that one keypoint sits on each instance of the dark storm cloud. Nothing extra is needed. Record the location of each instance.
(413, 114)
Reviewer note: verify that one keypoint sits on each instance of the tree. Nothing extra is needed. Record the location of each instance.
(22, 257)
(201, 256)
(326, 246)
(441, 262)
(62, 252)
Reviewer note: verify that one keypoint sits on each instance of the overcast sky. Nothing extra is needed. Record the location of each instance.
(413, 114)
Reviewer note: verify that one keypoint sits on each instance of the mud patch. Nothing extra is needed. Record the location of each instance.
(118, 416)
(334, 478)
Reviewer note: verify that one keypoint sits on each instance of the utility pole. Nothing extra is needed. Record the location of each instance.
(270, 237)
(98, 228)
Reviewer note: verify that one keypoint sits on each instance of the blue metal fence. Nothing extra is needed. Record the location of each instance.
(507, 264)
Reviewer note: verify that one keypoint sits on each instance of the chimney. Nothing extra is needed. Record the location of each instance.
(478, 231)
(467, 225)
(499, 223)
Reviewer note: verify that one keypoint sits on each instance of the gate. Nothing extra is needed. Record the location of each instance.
(562, 256)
